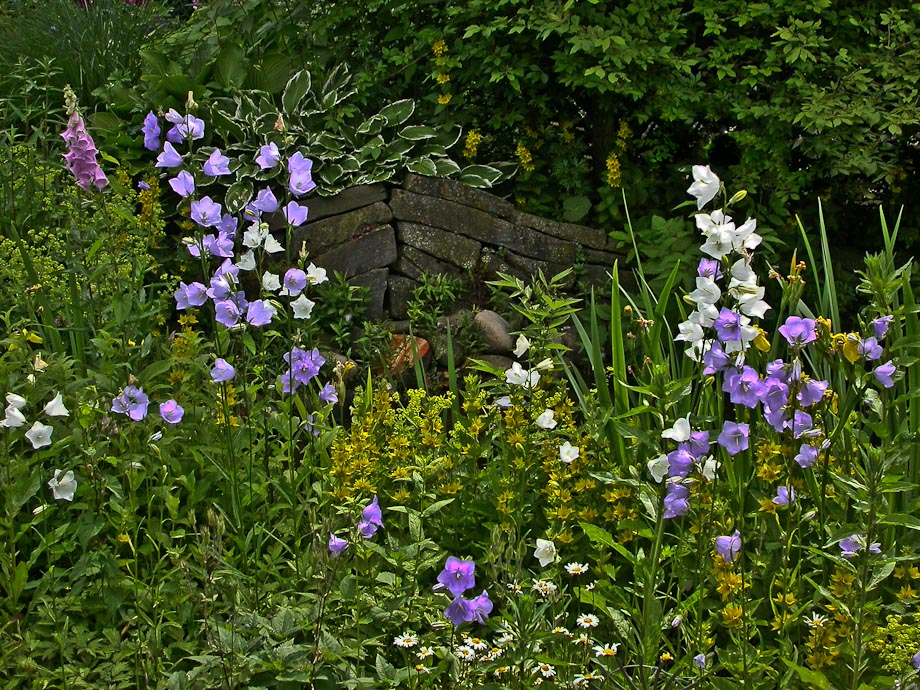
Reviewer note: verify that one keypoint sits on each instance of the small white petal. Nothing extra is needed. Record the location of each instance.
(55, 407)
(39, 435)
(302, 307)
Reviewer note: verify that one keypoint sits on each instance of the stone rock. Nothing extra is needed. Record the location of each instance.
(447, 246)
(580, 234)
(400, 292)
(452, 190)
(346, 200)
(495, 330)
(376, 249)
(323, 235)
(376, 283)
(479, 225)
(415, 263)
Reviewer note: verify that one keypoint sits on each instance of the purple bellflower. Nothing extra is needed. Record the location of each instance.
(169, 158)
(269, 156)
(880, 326)
(192, 295)
(458, 575)
(171, 412)
(798, 332)
(222, 371)
(676, 503)
(133, 402)
(883, 374)
(217, 164)
(183, 184)
(729, 547)
(151, 131)
(734, 437)
(337, 545)
(371, 520)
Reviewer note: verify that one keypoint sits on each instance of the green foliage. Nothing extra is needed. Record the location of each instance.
(803, 100)
(88, 47)
(432, 301)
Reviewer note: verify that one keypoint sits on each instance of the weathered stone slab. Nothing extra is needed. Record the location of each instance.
(528, 267)
(580, 234)
(414, 263)
(376, 249)
(595, 256)
(320, 236)
(346, 200)
(400, 292)
(447, 246)
(459, 192)
(376, 283)
(479, 225)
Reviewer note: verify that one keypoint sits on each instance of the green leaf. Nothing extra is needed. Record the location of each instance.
(230, 68)
(436, 507)
(575, 208)
(238, 195)
(297, 87)
(423, 166)
(597, 535)
(901, 520)
(480, 175)
(806, 675)
(417, 132)
(372, 125)
(398, 112)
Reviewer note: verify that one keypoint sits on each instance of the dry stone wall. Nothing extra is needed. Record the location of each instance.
(385, 237)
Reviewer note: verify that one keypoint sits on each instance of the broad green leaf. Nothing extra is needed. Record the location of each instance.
(423, 166)
(238, 195)
(417, 132)
(397, 113)
(297, 87)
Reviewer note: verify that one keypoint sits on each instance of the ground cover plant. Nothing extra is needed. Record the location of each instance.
(710, 503)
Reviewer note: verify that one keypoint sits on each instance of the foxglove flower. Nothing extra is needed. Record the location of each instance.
(81, 156)
(39, 435)
(63, 485)
(171, 412)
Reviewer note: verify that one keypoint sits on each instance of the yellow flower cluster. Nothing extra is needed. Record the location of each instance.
(523, 155)
(896, 642)
(444, 98)
(614, 174)
(226, 399)
(471, 146)
(439, 48)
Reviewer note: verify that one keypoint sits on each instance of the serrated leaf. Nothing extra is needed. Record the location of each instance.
(417, 132)
(297, 87)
